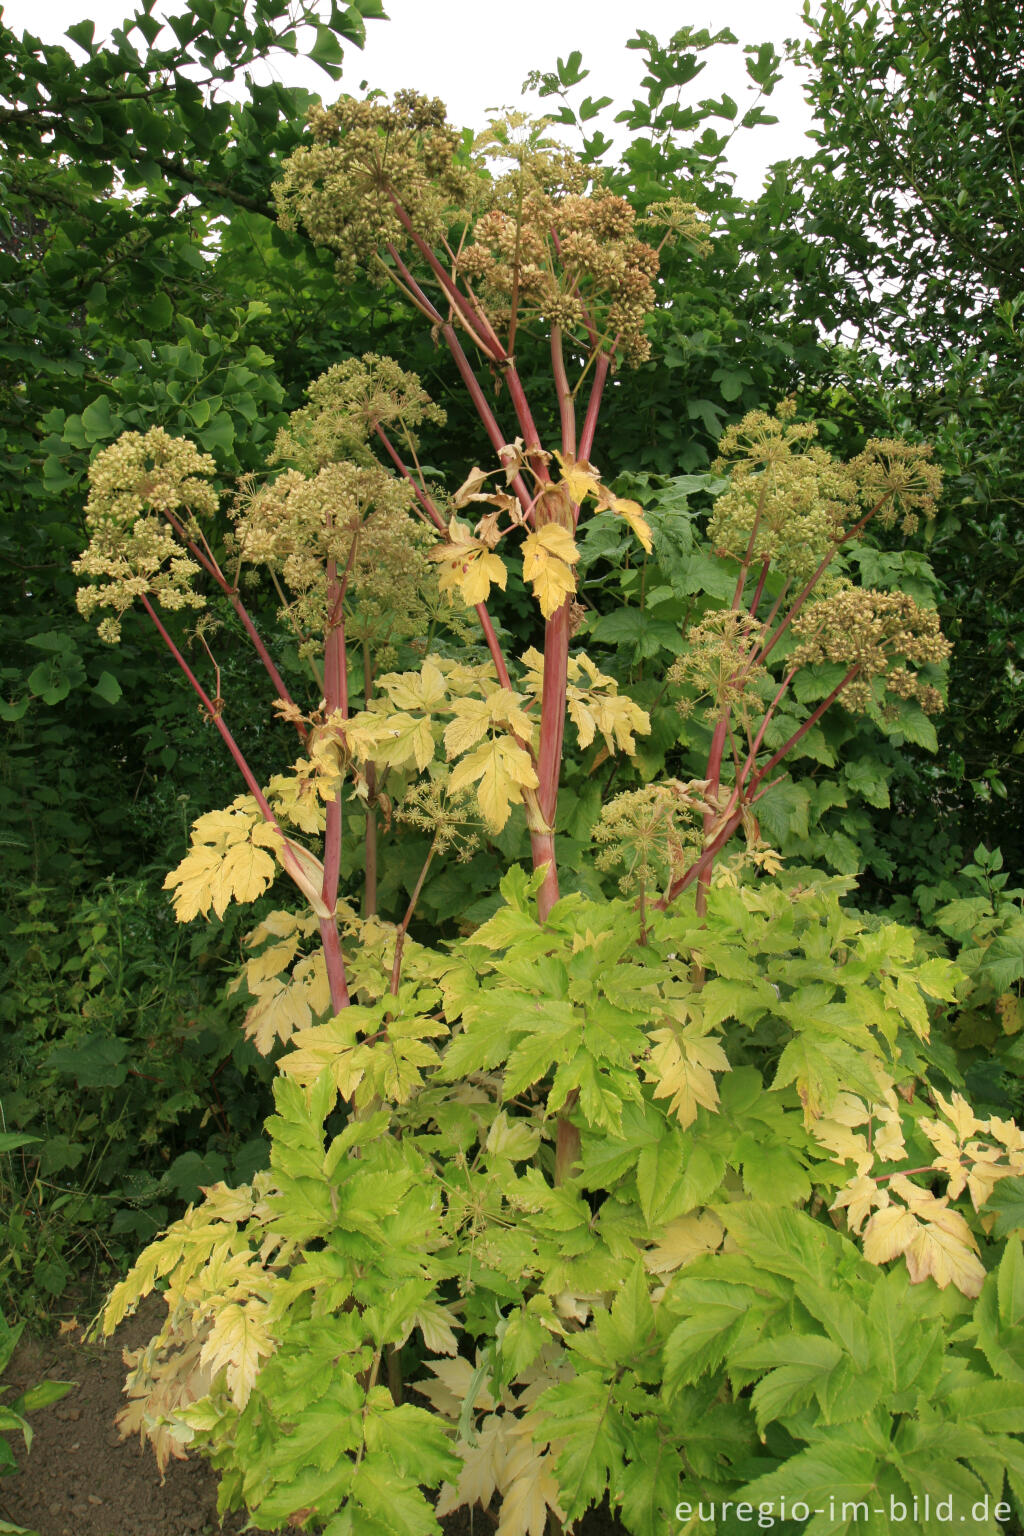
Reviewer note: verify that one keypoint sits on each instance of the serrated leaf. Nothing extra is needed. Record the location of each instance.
(548, 558)
(237, 1342)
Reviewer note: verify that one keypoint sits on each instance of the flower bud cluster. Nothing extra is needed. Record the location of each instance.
(569, 259)
(136, 485)
(717, 670)
(791, 502)
(346, 405)
(364, 155)
(655, 833)
(543, 240)
(355, 515)
(788, 500)
(870, 630)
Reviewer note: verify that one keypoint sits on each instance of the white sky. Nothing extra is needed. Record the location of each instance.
(423, 45)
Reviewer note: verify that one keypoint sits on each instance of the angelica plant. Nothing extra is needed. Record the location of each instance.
(545, 1200)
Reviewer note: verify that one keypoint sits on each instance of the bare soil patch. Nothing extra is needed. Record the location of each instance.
(81, 1479)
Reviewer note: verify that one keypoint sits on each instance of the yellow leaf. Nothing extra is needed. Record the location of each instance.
(581, 478)
(237, 1342)
(960, 1113)
(288, 1004)
(684, 1240)
(483, 1465)
(981, 1181)
(506, 709)
(844, 1144)
(471, 486)
(617, 718)
(424, 689)
(533, 676)
(449, 1391)
(548, 557)
(223, 861)
(436, 1323)
(529, 1491)
(467, 565)
(280, 925)
(634, 515)
(583, 719)
(407, 737)
(859, 1198)
(1010, 1009)
(294, 798)
(889, 1232)
(946, 1258)
(503, 770)
(681, 1066)
(274, 960)
(476, 580)
(472, 719)
(244, 873)
(554, 540)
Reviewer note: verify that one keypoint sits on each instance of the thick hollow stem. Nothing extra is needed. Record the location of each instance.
(713, 774)
(335, 963)
(370, 840)
(566, 408)
(601, 368)
(335, 701)
(549, 757)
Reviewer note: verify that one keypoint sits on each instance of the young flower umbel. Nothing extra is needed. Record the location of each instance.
(717, 669)
(448, 818)
(357, 516)
(653, 833)
(346, 406)
(141, 488)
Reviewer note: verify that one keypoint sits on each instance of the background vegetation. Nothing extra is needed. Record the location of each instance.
(146, 283)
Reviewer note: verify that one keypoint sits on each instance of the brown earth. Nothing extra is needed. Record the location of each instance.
(81, 1479)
